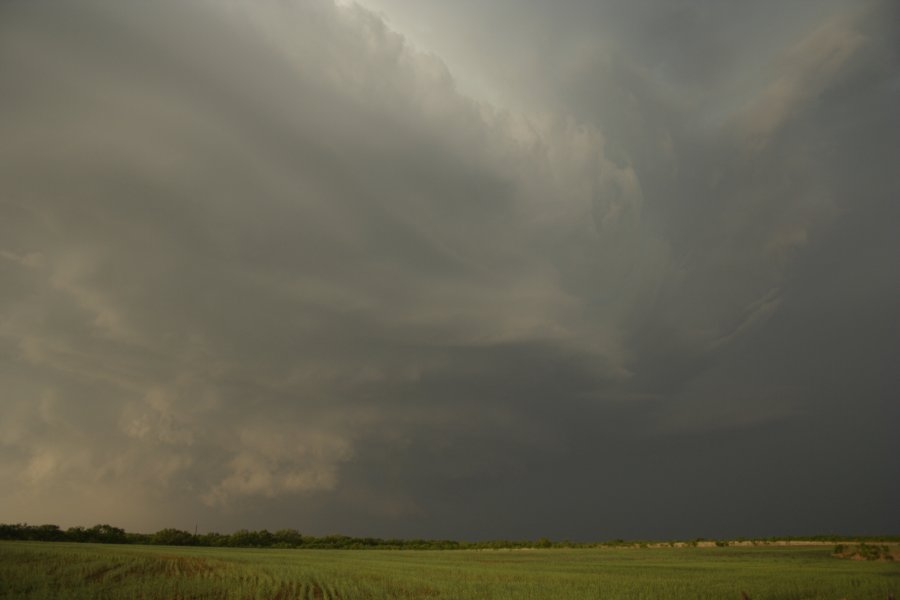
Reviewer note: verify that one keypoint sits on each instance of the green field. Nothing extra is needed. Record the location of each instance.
(82, 571)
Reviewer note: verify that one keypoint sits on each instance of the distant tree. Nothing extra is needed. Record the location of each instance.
(264, 539)
(8, 531)
(290, 538)
(213, 539)
(242, 538)
(48, 533)
(172, 537)
(138, 538)
(76, 534)
(105, 534)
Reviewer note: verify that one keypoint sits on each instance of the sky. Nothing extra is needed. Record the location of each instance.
(470, 270)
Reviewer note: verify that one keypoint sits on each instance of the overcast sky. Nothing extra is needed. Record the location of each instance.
(581, 269)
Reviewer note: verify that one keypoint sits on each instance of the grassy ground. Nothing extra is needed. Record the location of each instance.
(86, 571)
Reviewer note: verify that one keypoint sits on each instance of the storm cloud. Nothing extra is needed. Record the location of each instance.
(463, 270)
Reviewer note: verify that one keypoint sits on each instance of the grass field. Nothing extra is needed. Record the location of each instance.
(48, 570)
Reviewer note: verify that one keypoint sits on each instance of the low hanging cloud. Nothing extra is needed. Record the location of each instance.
(268, 258)
(228, 267)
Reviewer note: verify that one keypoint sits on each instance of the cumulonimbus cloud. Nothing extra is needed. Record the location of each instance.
(248, 247)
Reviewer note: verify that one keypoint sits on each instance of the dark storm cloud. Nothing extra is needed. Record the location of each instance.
(265, 265)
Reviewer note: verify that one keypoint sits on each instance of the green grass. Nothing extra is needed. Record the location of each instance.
(45, 570)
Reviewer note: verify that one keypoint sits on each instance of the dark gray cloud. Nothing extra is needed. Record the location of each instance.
(614, 269)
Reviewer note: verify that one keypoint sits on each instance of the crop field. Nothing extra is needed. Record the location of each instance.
(61, 571)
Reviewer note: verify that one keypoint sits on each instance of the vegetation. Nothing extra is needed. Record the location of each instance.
(30, 570)
(864, 551)
(291, 538)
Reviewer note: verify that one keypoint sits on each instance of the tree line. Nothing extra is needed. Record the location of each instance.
(243, 538)
(291, 538)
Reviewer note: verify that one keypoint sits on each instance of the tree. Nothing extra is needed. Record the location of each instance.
(172, 537)
(106, 534)
(289, 537)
